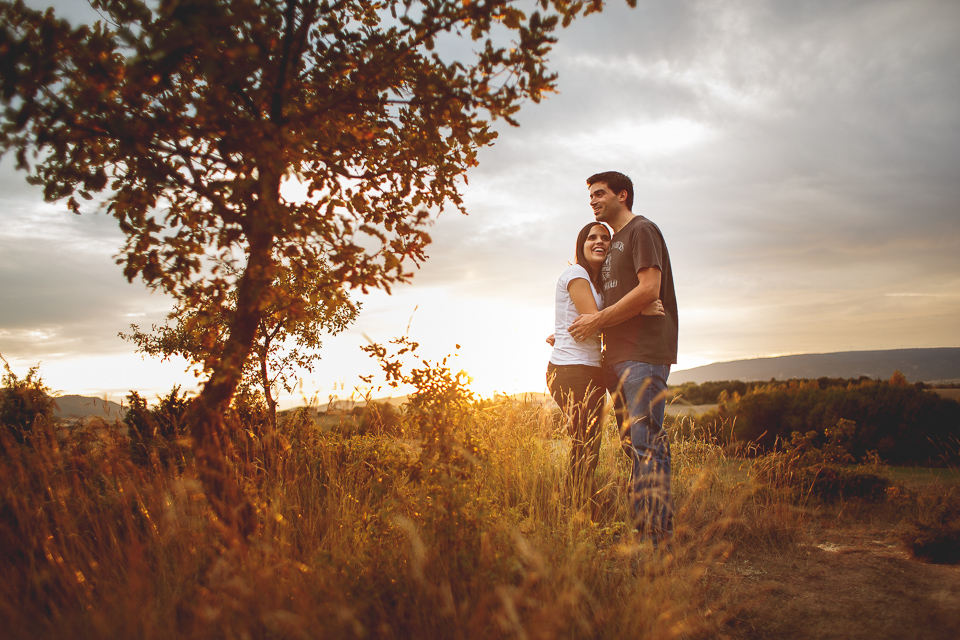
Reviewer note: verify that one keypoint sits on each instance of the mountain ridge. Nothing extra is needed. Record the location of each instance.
(74, 407)
(929, 365)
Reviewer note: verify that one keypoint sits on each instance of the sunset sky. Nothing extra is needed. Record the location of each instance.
(801, 158)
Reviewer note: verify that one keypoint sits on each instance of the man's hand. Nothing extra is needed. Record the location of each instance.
(551, 340)
(585, 326)
(655, 308)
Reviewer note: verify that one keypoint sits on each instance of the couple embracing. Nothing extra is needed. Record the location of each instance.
(621, 287)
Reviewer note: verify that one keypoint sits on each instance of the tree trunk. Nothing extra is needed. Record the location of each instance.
(265, 384)
(217, 475)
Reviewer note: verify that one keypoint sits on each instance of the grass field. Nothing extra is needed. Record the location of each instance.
(456, 526)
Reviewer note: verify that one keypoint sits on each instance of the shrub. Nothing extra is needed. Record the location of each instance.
(159, 431)
(933, 532)
(378, 418)
(810, 465)
(24, 403)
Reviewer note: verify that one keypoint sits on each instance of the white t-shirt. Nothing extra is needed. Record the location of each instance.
(566, 350)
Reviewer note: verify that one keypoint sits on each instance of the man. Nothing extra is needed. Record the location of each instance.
(638, 349)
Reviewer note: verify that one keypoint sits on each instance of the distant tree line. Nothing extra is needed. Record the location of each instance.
(709, 392)
(902, 422)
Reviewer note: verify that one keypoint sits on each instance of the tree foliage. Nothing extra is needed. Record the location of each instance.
(285, 343)
(707, 392)
(186, 117)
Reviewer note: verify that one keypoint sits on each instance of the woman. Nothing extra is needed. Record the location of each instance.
(574, 375)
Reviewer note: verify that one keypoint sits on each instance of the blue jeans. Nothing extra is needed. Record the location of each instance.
(639, 401)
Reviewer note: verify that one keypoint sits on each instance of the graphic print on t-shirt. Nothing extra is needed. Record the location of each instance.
(608, 282)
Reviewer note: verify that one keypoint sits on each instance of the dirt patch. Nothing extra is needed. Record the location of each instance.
(846, 583)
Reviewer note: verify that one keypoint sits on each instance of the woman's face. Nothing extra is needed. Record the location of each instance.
(596, 246)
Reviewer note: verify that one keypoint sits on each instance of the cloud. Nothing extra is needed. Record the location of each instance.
(800, 158)
(62, 292)
(825, 167)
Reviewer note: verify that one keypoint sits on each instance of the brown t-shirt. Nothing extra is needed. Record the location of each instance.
(650, 339)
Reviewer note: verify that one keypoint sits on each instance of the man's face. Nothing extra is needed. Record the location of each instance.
(605, 203)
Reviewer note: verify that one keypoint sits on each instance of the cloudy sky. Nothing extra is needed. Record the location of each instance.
(801, 158)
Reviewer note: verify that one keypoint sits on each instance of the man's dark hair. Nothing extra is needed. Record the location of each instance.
(617, 182)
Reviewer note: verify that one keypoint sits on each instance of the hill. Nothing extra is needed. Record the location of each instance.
(75, 407)
(918, 365)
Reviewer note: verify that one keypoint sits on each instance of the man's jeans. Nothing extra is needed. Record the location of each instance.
(638, 390)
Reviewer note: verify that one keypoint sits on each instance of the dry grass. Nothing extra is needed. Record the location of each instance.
(370, 537)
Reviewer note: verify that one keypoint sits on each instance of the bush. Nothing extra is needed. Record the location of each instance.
(24, 404)
(374, 418)
(822, 481)
(157, 432)
(830, 483)
(810, 465)
(933, 532)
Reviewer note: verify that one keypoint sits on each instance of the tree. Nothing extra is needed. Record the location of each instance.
(284, 344)
(186, 118)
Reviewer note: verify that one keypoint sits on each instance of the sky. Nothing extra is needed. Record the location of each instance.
(801, 158)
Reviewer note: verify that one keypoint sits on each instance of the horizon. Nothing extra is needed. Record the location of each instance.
(800, 160)
(545, 392)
